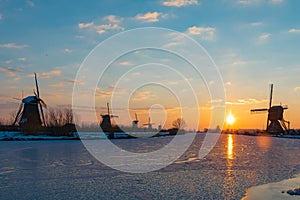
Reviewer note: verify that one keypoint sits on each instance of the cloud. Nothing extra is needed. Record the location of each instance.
(293, 30)
(68, 50)
(10, 71)
(256, 24)
(246, 101)
(112, 19)
(297, 89)
(1, 16)
(248, 2)
(8, 61)
(256, 2)
(30, 3)
(264, 36)
(85, 25)
(50, 74)
(102, 28)
(13, 46)
(180, 3)
(150, 16)
(22, 59)
(57, 85)
(276, 1)
(239, 62)
(141, 96)
(228, 83)
(207, 33)
(126, 63)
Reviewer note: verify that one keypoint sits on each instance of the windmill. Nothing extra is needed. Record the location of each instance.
(106, 121)
(30, 116)
(135, 122)
(275, 121)
(149, 124)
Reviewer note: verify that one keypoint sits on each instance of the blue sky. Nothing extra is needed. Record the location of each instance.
(253, 42)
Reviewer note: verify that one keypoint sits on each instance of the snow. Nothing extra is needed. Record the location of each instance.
(9, 135)
(283, 190)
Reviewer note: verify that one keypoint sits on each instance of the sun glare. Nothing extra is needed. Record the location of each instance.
(230, 119)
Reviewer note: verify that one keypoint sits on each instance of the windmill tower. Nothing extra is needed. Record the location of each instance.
(149, 124)
(135, 122)
(275, 121)
(30, 116)
(106, 121)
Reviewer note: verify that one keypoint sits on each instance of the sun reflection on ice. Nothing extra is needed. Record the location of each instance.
(229, 180)
(230, 147)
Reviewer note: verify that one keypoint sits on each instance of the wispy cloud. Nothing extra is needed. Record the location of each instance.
(126, 63)
(58, 84)
(86, 25)
(141, 96)
(293, 30)
(22, 59)
(48, 74)
(74, 81)
(276, 1)
(265, 36)
(13, 46)
(206, 33)
(180, 3)
(8, 61)
(10, 71)
(150, 16)
(1, 16)
(257, 2)
(228, 83)
(68, 50)
(246, 101)
(239, 62)
(248, 2)
(256, 24)
(30, 3)
(297, 89)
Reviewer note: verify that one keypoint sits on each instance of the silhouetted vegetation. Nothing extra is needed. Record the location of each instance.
(179, 123)
(59, 117)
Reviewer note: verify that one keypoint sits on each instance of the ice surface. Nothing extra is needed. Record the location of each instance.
(64, 169)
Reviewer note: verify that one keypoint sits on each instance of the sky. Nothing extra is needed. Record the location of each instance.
(252, 42)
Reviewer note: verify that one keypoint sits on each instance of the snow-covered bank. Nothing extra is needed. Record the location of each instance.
(12, 136)
(274, 191)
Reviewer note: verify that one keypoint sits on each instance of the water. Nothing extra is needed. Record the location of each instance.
(66, 170)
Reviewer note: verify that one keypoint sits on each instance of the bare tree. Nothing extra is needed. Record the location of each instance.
(57, 117)
(179, 123)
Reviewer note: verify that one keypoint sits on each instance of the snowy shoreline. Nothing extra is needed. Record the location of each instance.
(283, 190)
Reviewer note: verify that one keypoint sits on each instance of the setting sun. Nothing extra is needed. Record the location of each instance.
(230, 119)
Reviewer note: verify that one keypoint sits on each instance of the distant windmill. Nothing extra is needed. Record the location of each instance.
(135, 122)
(106, 121)
(149, 124)
(30, 115)
(275, 121)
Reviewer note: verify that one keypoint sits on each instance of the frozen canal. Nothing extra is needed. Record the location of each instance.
(66, 170)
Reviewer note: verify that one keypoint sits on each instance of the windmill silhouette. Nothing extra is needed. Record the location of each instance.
(106, 121)
(149, 124)
(135, 122)
(275, 121)
(30, 116)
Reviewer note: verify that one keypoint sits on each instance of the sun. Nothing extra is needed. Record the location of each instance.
(230, 119)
